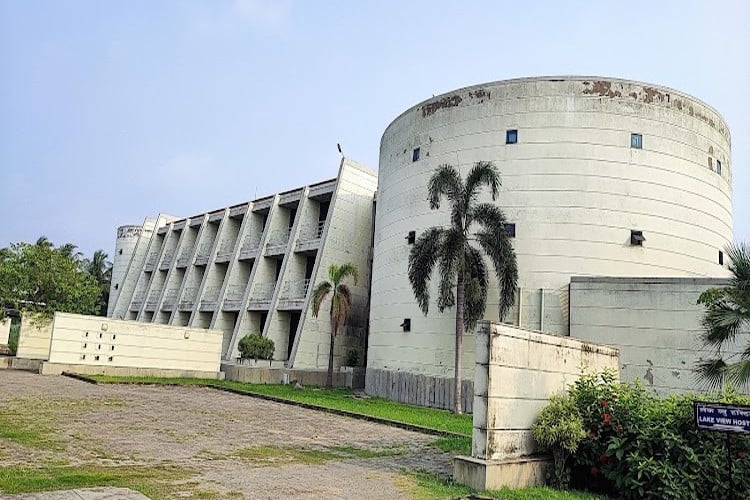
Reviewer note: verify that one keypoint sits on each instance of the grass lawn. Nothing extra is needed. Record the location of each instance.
(337, 399)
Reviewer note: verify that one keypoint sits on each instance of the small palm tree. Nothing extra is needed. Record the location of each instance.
(101, 269)
(727, 314)
(461, 265)
(341, 303)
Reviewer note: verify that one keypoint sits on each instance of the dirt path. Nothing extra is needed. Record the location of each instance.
(232, 445)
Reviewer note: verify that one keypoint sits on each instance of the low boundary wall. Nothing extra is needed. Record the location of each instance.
(516, 371)
(353, 378)
(418, 389)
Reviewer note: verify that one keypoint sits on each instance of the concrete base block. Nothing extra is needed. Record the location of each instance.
(13, 363)
(48, 368)
(494, 474)
(350, 378)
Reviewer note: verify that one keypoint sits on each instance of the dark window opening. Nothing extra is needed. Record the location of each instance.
(636, 141)
(309, 265)
(293, 325)
(406, 325)
(263, 318)
(510, 229)
(278, 270)
(721, 258)
(121, 251)
(636, 237)
(415, 154)
(511, 136)
(117, 286)
(718, 167)
(292, 216)
(411, 237)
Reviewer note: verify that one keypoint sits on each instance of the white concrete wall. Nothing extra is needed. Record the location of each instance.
(34, 337)
(516, 371)
(573, 186)
(347, 238)
(654, 322)
(4, 330)
(80, 340)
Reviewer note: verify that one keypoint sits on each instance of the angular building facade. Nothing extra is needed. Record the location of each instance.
(251, 267)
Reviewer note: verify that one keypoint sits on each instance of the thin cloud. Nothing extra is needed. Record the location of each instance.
(261, 12)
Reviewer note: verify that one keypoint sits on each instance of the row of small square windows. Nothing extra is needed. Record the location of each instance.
(636, 238)
(511, 137)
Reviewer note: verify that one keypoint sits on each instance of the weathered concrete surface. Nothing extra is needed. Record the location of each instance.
(353, 379)
(34, 337)
(516, 371)
(654, 322)
(4, 330)
(82, 494)
(418, 389)
(48, 368)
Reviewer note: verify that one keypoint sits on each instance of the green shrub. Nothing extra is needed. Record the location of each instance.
(641, 446)
(255, 346)
(352, 357)
(559, 429)
(15, 329)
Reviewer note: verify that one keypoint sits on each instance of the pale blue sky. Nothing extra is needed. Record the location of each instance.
(113, 111)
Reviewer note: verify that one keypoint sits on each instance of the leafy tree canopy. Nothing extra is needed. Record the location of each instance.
(39, 277)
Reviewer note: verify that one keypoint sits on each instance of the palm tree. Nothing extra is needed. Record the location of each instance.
(43, 241)
(460, 264)
(341, 303)
(727, 314)
(101, 269)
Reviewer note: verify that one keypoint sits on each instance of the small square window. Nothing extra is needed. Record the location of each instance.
(636, 141)
(636, 237)
(96, 358)
(415, 154)
(511, 136)
(721, 258)
(406, 325)
(718, 167)
(510, 229)
(411, 237)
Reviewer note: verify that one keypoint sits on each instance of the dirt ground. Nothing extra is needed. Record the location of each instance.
(230, 444)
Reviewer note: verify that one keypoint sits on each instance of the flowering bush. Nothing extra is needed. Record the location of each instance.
(640, 446)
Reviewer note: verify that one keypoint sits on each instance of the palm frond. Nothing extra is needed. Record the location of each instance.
(739, 266)
(475, 287)
(721, 323)
(422, 258)
(319, 294)
(710, 373)
(488, 215)
(496, 244)
(341, 306)
(482, 173)
(447, 182)
(338, 273)
(453, 245)
(738, 374)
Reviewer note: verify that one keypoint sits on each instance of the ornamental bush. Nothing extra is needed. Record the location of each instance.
(559, 429)
(255, 346)
(638, 445)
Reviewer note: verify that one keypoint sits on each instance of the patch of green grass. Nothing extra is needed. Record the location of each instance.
(429, 486)
(270, 456)
(454, 445)
(34, 430)
(338, 399)
(152, 481)
(352, 451)
(34, 422)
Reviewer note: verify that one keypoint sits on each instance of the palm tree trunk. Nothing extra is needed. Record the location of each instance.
(329, 378)
(457, 407)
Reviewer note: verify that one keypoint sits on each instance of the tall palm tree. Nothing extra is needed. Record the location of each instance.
(460, 263)
(101, 269)
(341, 303)
(727, 314)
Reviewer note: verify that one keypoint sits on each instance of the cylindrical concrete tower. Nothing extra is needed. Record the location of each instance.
(601, 177)
(127, 238)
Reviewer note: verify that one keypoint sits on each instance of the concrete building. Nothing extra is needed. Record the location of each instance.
(601, 177)
(251, 267)
(619, 201)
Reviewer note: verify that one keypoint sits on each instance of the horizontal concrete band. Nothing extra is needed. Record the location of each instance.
(47, 368)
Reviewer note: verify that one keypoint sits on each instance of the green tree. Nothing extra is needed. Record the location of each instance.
(101, 270)
(45, 279)
(727, 313)
(461, 265)
(341, 303)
